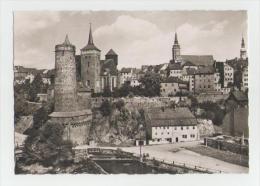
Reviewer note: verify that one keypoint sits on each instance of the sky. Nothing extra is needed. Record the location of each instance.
(138, 37)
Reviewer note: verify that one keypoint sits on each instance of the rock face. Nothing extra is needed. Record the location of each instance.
(24, 123)
(119, 128)
(206, 127)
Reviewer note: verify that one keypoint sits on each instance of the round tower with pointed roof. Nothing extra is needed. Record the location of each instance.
(65, 80)
(176, 50)
(90, 65)
(76, 121)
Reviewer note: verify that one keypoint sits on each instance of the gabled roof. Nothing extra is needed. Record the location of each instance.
(111, 52)
(180, 116)
(239, 95)
(188, 63)
(205, 70)
(199, 60)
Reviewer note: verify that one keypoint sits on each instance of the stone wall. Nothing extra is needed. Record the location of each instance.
(76, 128)
(216, 97)
(90, 70)
(65, 80)
(140, 102)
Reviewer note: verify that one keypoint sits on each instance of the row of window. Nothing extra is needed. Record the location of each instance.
(205, 86)
(175, 128)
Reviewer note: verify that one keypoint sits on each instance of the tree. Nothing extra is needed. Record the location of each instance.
(105, 108)
(20, 106)
(36, 87)
(213, 112)
(150, 84)
(238, 79)
(48, 146)
(120, 104)
(107, 92)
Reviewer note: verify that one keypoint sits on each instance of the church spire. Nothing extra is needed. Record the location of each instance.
(243, 42)
(66, 41)
(176, 39)
(90, 38)
(243, 52)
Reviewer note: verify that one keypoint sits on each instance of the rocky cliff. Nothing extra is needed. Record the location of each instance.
(118, 125)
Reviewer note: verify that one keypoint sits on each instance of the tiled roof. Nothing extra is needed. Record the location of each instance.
(90, 47)
(175, 66)
(205, 70)
(180, 116)
(199, 60)
(237, 63)
(111, 52)
(174, 80)
(239, 95)
(188, 63)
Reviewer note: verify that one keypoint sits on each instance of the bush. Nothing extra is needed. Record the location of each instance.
(213, 112)
(48, 146)
(106, 108)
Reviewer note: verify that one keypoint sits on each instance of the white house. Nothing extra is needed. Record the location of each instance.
(245, 78)
(172, 125)
(228, 74)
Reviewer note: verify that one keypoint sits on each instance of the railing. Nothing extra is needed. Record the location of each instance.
(159, 161)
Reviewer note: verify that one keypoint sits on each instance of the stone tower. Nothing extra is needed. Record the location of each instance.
(243, 54)
(90, 65)
(176, 50)
(65, 82)
(66, 110)
(112, 55)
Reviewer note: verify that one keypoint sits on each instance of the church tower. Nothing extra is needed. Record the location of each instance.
(90, 65)
(176, 50)
(243, 54)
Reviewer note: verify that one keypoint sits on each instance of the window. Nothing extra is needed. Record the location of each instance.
(181, 128)
(187, 127)
(192, 135)
(168, 133)
(193, 127)
(184, 136)
(175, 128)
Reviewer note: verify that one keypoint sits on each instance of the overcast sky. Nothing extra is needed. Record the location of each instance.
(138, 37)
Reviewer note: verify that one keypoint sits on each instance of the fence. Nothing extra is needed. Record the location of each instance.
(226, 146)
(152, 160)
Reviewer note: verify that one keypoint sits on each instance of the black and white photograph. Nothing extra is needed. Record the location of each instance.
(132, 95)
(135, 92)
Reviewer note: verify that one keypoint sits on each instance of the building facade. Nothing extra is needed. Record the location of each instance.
(204, 80)
(245, 78)
(172, 125)
(173, 85)
(90, 65)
